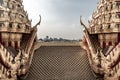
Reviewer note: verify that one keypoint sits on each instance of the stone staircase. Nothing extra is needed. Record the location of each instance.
(60, 63)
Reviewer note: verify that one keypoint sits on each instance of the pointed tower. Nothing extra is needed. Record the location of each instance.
(103, 40)
(106, 22)
(13, 20)
(17, 40)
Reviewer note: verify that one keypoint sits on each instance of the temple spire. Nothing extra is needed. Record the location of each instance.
(81, 22)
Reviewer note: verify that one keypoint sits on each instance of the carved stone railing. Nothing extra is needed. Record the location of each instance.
(27, 55)
(5, 56)
(3, 72)
(8, 65)
(103, 64)
(110, 64)
(113, 56)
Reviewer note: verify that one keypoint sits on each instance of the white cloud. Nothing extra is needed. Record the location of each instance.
(60, 18)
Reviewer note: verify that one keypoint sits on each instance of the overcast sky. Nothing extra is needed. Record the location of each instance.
(60, 18)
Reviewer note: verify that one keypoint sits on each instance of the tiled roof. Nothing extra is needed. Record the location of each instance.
(60, 63)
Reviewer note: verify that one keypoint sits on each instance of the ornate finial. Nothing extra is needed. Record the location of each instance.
(82, 23)
(38, 22)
